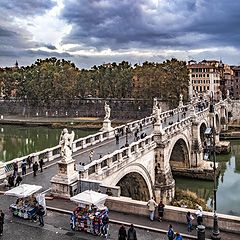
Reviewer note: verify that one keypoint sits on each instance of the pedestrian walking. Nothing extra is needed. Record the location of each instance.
(132, 234)
(170, 233)
(122, 233)
(24, 167)
(11, 181)
(18, 180)
(91, 155)
(199, 214)
(35, 169)
(29, 162)
(105, 224)
(161, 207)
(1, 222)
(117, 138)
(189, 218)
(151, 207)
(41, 164)
(40, 213)
(178, 236)
(15, 169)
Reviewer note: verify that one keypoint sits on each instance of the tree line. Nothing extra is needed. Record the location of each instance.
(49, 79)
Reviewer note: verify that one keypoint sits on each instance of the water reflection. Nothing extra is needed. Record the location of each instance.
(228, 189)
(17, 141)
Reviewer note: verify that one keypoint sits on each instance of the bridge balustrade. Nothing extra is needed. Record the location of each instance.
(106, 162)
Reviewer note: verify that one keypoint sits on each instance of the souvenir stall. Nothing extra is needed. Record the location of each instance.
(87, 216)
(26, 203)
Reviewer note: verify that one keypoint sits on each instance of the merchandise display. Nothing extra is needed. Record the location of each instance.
(25, 208)
(91, 215)
(26, 204)
(88, 219)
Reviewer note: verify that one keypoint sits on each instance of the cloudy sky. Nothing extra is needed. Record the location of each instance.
(90, 32)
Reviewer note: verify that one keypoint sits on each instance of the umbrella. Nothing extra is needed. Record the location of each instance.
(23, 190)
(90, 197)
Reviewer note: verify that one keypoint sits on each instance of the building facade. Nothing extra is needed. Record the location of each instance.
(204, 77)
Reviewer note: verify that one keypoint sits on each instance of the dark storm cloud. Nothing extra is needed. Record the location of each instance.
(49, 46)
(155, 24)
(25, 7)
(14, 39)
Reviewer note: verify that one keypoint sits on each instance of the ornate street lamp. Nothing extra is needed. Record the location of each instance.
(210, 134)
(127, 131)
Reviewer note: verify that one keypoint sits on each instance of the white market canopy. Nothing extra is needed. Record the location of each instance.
(23, 190)
(90, 197)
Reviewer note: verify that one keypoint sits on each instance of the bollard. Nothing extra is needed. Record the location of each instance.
(200, 232)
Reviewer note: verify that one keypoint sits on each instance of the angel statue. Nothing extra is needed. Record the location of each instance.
(66, 140)
(107, 111)
(180, 97)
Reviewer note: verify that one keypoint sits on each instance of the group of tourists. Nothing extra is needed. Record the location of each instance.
(152, 205)
(16, 178)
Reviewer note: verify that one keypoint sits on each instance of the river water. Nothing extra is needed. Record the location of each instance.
(18, 141)
(228, 187)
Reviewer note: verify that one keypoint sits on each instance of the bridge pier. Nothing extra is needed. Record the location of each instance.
(164, 185)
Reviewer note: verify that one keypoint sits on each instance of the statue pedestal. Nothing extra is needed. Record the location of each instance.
(61, 183)
(106, 126)
(180, 104)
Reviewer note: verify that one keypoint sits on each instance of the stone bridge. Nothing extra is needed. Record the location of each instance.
(144, 168)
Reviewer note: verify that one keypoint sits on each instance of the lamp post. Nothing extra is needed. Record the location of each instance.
(178, 119)
(210, 134)
(127, 144)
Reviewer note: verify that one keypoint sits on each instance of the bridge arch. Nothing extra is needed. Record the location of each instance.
(135, 182)
(179, 149)
(202, 129)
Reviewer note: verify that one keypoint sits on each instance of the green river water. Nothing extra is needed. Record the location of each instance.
(17, 141)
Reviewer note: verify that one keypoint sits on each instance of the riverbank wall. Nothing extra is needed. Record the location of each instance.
(92, 107)
(226, 223)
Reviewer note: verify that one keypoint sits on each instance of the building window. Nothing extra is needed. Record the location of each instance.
(193, 75)
(207, 75)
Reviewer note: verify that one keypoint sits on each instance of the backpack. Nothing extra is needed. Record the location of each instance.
(170, 234)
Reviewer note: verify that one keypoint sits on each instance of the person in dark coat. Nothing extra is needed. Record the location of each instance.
(41, 164)
(160, 211)
(40, 213)
(1, 222)
(15, 169)
(122, 233)
(24, 167)
(11, 181)
(132, 235)
(35, 169)
(18, 180)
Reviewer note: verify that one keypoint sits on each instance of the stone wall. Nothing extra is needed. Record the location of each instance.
(94, 107)
(226, 223)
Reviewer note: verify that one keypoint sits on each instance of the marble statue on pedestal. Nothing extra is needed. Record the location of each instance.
(106, 121)
(180, 97)
(107, 111)
(62, 182)
(66, 140)
(180, 100)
